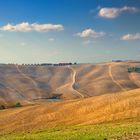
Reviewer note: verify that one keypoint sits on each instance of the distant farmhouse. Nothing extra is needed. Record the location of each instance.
(134, 69)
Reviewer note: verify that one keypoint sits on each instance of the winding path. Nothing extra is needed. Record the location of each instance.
(115, 81)
(13, 90)
(132, 77)
(73, 82)
(27, 77)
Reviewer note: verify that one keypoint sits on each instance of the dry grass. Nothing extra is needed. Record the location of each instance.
(119, 95)
(105, 108)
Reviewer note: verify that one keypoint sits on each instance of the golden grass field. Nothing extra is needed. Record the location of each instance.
(105, 108)
(91, 95)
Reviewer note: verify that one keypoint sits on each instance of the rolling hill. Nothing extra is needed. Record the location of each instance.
(90, 94)
(26, 83)
(94, 110)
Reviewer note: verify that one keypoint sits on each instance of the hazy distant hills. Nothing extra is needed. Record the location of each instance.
(29, 83)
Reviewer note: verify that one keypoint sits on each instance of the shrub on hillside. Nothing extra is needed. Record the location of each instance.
(18, 104)
(2, 107)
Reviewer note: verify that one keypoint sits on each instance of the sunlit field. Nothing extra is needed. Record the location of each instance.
(86, 132)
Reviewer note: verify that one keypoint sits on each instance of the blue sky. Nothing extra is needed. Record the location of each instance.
(38, 31)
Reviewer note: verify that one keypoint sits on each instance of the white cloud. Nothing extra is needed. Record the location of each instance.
(90, 33)
(26, 27)
(131, 37)
(115, 12)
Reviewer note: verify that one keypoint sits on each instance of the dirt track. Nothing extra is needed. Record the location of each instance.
(73, 82)
(111, 76)
(29, 78)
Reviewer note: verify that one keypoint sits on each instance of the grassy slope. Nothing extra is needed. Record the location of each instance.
(86, 132)
(105, 108)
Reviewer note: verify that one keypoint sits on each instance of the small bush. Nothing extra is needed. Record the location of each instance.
(18, 104)
(2, 107)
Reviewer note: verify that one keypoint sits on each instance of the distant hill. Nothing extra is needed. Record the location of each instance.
(26, 84)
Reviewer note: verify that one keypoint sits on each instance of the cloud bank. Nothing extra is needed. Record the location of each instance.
(128, 37)
(115, 12)
(90, 33)
(26, 27)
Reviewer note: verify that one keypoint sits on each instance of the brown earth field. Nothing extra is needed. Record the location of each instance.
(89, 94)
